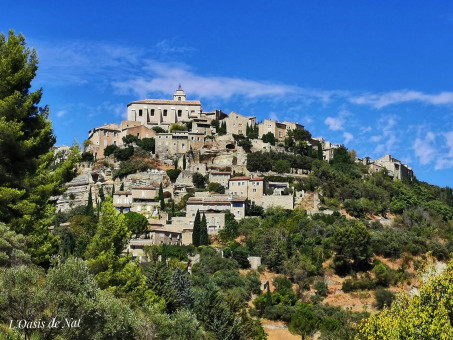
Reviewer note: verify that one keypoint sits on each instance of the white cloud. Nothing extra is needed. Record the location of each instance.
(403, 96)
(347, 137)
(61, 113)
(334, 123)
(388, 135)
(449, 137)
(424, 148)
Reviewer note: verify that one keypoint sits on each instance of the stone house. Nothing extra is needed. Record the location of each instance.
(327, 148)
(394, 167)
(218, 202)
(122, 201)
(179, 142)
(164, 113)
(237, 123)
(280, 130)
(221, 177)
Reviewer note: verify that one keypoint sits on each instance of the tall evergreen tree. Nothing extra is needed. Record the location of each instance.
(161, 197)
(184, 294)
(26, 139)
(184, 164)
(196, 230)
(204, 238)
(320, 155)
(122, 187)
(89, 209)
(101, 193)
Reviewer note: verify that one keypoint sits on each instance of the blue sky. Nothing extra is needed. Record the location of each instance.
(376, 76)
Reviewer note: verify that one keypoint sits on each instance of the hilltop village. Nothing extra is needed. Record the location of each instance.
(171, 161)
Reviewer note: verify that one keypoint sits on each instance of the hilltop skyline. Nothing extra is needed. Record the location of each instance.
(372, 77)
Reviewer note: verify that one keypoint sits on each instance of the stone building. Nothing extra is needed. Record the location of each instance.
(219, 202)
(237, 123)
(280, 130)
(328, 148)
(164, 113)
(178, 142)
(221, 177)
(122, 201)
(112, 134)
(394, 167)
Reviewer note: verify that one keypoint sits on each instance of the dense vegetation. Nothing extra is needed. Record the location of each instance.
(79, 271)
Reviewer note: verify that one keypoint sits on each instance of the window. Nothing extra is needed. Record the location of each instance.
(105, 142)
(179, 113)
(152, 112)
(179, 98)
(115, 134)
(114, 142)
(140, 112)
(165, 113)
(106, 133)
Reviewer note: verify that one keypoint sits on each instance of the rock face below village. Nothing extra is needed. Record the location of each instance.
(76, 194)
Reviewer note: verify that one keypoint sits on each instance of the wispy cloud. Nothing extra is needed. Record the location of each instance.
(336, 123)
(347, 137)
(388, 135)
(424, 148)
(61, 113)
(381, 100)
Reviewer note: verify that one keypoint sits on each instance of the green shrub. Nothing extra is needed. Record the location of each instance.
(384, 298)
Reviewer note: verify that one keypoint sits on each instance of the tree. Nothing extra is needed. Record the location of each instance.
(320, 155)
(178, 127)
(269, 138)
(216, 187)
(282, 166)
(130, 139)
(110, 150)
(196, 230)
(173, 174)
(136, 223)
(426, 315)
(89, 209)
(101, 193)
(13, 248)
(304, 322)
(353, 246)
(158, 129)
(184, 162)
(87, 157)
(198, 180)
(161, 197)
(204, 238)
(184, 296)
(122, 186)
(148, 144)
(26, 179)
(124, 154)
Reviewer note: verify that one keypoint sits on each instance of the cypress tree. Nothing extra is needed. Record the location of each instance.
(122, 187)
(196, 230)
(173, 209)
(320, 157)
(161, 197)
(184, 293)
(101, 194)
(184, 162)
(89, 209)
(204, 238)
(113, 189)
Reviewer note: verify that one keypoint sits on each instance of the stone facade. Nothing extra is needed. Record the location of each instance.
(178, 142)
(280, 130)
(394, 167)
(221, 177)
(122, 201)
(218, 202)
(164, 113)
(237, 123)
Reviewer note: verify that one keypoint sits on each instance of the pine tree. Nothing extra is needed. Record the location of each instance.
(196, 230)
(184, 294)
(204, 238)
(26, 139)
(161, 197)
(89, 209)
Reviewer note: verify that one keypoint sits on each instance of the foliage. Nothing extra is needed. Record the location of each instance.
(148, 144)
(282, 166)
(196, 230)
(269, 138)
(426, 315)
(199, 181)
(265, 161)
(384, 298)
(204, 238)
(158, 129)
(110, 150)
(178, 127)
(124, 154)
(13, 248)
(173, 174)
(216, 187)
(161, 197)
(130, 139)
(87, 157)
(136, 223)
(26, 179)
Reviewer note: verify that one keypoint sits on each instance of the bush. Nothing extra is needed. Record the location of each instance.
(216, 187)
(321, 288)
(109, 150)
(199, 181)
(148, 144)
(158, 129)
(282, 166)
(87, 157)
(384, 298)
(124, 154)
(173, 174)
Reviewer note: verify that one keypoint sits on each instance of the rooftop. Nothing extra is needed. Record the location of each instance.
(167, 102)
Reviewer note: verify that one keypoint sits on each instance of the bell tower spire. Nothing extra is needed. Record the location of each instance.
(179, 94)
